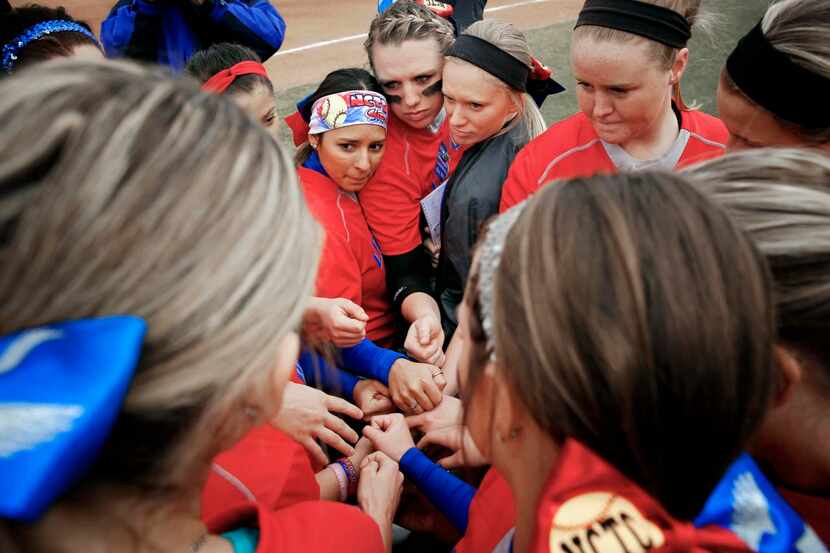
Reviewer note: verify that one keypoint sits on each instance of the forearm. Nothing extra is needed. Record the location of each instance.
(318, 373)
(418, 305)
(449, 494)
(450, 367)
(369, 360)
(408, 274)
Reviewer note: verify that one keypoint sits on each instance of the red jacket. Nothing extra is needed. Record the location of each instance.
(415, 162)
(351, 266)
(266, 481)
(571, 148)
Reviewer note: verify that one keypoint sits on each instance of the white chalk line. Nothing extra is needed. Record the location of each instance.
(323, 43)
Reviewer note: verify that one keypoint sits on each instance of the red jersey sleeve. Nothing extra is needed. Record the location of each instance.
(318, 527)
(391, 204)
(339, 274)
(267, 467)
(521, 179)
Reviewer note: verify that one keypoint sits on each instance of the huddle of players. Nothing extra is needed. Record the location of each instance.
(614, 335)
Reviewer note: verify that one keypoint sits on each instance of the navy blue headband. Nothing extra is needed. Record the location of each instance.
(657, 23)
(36, 32)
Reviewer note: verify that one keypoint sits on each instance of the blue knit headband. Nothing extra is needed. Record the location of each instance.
(36, 32)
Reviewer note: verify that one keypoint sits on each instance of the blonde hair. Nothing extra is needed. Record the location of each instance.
(664, 55)
(511, 40)
(406, 20)
(781, 197)
(125, 192)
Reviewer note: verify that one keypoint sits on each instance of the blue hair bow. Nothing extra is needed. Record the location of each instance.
(746, 503)
(61, 389)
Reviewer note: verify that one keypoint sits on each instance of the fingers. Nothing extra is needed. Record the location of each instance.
(354, 311)
(384, 422)
(422, 399)
(340, 405)
(373, 458)
(440, 381)
(416, 421)
(453, 461)
(337, 425)
(446, 437)
(433, 393)
(333, 439)
(315, 450)
(378, 405)
(422, 329)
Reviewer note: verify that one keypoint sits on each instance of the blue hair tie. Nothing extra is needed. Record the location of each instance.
(36, 32)
(61, 389)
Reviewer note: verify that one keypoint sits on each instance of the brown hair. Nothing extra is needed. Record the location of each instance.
(662, 54)
(633, 315)
(126, 192)
(781, 198)
(406, 20)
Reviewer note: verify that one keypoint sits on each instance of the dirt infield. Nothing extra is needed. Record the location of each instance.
(323, 35)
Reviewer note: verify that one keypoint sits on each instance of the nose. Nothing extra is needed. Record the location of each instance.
(603, 106)
(411, 95)
(457, 118)
(362, 161)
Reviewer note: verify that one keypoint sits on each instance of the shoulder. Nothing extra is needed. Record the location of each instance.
(562, 140)
(297, 528)
(705, 128)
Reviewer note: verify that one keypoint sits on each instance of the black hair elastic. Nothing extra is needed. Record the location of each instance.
(501, 65)
(657, 23)
(771, 79)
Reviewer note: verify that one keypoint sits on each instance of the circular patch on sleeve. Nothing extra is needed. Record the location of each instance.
(602, 522)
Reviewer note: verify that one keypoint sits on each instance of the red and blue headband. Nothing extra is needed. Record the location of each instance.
(344, 109)
(61, 389)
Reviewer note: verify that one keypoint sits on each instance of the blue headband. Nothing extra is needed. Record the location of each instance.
(36, 32)
(61, 389)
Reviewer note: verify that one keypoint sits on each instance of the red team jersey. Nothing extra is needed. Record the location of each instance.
(571, 148)
(415, 162)
(265, 467)
(351, 266)
(492, 514)
(813, 509)
(266, 481)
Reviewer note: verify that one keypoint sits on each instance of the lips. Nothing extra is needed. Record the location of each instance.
(417, 115)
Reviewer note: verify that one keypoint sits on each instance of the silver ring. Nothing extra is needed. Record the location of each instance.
(414, 406)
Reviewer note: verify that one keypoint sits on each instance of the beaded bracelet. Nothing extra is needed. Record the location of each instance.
(351, 472)
(342, 480)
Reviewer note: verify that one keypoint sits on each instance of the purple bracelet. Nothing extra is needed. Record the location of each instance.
(351, 473)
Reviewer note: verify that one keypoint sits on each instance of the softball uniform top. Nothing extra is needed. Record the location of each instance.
(571, 148)
(351, 266)
(415, 162)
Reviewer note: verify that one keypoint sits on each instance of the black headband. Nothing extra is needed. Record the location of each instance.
(770, 78)
(503, 66)
(657, 23)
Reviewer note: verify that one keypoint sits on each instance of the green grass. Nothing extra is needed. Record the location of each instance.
(551, 45)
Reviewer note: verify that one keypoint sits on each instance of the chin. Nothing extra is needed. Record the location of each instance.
(464, 140)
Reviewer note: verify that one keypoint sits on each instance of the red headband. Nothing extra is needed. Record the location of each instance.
(222, 80)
